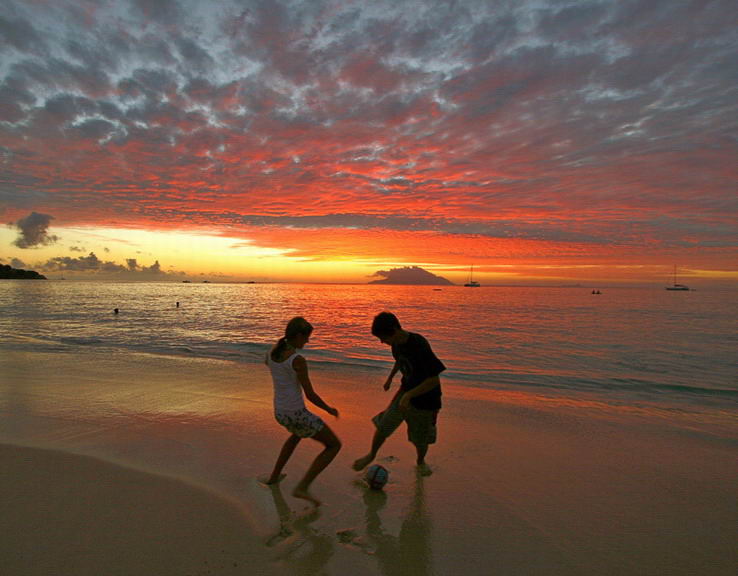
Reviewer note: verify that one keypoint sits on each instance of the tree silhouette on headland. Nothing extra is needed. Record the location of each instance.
(414, 275)
(10, 273)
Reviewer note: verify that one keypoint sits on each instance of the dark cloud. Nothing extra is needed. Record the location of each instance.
(165, 12)
(14, 100)
(96, 129)
(519, 119)
(153, 50)
(34, 231)
(91, 263)
(19, 34)
(66, 107)
(194, 57)
(83, 263)
(153, 83)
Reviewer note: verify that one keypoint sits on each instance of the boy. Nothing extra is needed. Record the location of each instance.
(418, 400)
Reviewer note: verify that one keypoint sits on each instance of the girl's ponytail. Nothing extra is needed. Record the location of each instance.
(278, 348)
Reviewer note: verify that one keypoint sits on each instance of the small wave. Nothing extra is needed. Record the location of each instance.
(633, 387)
(696, 390)
(80, 340)
(589, 379)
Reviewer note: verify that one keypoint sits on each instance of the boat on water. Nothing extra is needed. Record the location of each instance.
(472, 283)
(675, 286)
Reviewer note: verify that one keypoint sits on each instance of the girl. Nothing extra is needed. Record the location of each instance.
(290, 377)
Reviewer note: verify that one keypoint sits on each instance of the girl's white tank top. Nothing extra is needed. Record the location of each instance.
(287, 389)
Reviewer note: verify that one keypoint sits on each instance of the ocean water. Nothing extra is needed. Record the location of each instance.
(626, 346)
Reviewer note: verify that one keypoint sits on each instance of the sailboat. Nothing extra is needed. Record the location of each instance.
(675, 286)
(472, 283)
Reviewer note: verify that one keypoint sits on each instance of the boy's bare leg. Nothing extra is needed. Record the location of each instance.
(364, 461)
(422, 467)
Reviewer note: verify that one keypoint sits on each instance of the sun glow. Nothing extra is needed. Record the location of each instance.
(180, 254)
(271, 254)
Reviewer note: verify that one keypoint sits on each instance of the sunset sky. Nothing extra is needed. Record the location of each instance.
(539, 140)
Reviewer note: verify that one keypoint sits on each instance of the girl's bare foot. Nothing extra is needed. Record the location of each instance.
(305, 495)
(362, 463)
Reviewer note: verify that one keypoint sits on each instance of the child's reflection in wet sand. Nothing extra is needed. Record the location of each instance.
(296, 534)
(408, 553)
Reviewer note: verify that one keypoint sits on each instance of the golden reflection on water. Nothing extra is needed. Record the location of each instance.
(628, 344)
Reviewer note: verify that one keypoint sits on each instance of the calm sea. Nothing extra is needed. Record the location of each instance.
(626, 345)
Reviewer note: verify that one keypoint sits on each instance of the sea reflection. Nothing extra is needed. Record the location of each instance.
(558, 339)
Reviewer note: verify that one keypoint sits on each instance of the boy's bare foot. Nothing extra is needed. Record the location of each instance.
(424, 470)
(305, 495)
(269, 481)
(362, 463)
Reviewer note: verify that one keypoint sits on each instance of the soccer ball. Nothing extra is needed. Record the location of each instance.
(376, 476)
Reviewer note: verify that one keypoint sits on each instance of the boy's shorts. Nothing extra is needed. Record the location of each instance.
(302, 423)
(421, 424)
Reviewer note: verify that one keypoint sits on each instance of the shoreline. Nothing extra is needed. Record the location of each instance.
(524, 486)
(709, 410)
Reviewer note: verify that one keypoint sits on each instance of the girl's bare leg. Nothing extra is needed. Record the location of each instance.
(332, 446)
(284, 455)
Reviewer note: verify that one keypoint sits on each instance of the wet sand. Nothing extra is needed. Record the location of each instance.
(76, 515)
(147, 465)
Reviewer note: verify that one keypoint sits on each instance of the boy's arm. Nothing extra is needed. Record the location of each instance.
(300, 366)
(425, 386)
(388, 383)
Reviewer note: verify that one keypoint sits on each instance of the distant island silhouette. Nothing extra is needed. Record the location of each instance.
(414, 275)
(10, 273)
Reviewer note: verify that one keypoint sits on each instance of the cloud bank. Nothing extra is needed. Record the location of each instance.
(92, 264)
(581, 122)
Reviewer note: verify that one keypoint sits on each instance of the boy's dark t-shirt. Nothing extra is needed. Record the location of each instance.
(417, 362)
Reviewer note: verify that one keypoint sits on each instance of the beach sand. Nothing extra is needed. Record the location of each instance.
(141, 464)
(69, 514)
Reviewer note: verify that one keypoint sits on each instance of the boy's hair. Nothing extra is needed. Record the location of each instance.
(385, 324)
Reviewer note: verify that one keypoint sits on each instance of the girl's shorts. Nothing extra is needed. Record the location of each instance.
(301, 423)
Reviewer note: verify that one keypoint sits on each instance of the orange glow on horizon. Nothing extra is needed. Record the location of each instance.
(355, 255)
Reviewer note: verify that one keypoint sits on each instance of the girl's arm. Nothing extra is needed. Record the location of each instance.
(300, 366)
